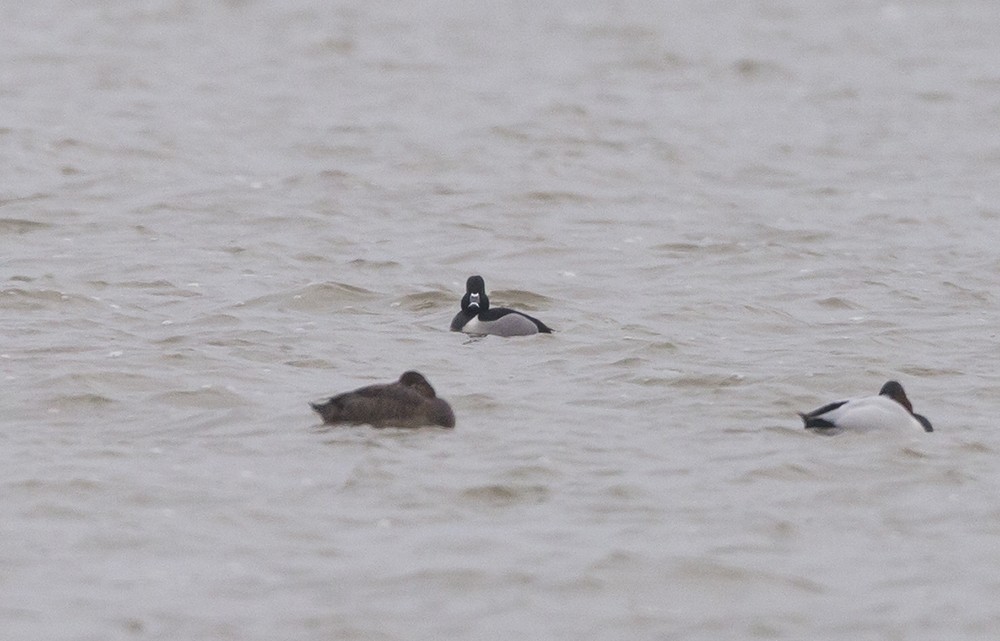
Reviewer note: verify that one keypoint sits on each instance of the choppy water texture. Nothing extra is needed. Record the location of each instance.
(215, 212)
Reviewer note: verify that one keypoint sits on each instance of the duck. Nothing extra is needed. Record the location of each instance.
(407, 402)
(890, 409)
(477, 317)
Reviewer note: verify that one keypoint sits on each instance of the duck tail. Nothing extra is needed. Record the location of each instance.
(326, 410)
(814, 422)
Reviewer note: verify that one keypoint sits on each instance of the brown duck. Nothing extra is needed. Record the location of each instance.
(409, 402)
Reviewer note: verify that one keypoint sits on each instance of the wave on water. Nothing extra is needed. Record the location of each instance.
(317, 297)
(427, 300)
(502, 495)
(18, 226)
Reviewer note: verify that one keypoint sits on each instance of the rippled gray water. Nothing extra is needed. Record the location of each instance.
(213, 213)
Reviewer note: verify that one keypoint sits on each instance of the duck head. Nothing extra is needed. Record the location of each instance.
(475, 300)
(417, 382)
(894, 390)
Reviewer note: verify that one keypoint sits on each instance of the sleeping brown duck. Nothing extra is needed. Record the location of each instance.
(409, 402)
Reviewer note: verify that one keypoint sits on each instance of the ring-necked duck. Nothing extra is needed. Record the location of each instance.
(477, 317)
